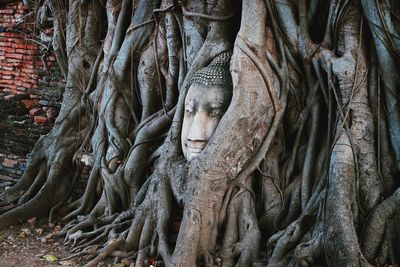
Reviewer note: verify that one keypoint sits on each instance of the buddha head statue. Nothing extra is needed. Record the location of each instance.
(207, 99)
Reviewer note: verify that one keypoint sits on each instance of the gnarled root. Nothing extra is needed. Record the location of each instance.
(44, 185)
(242, 235)
(147, 235)
(381, 234)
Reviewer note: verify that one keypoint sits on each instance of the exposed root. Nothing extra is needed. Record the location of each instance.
(300, 71)
(242, 233)
(379, 234)
(113, 245)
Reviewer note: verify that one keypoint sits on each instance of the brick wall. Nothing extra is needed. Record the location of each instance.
(11, 168)
(31, 86)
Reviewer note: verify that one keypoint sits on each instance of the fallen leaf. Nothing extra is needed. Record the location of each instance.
(68, 263)
(26, 231)
(22, 235)
(50, 258)
(126, 262)
(119, 265)
(47, 238)
(39, 231)
(32, 220)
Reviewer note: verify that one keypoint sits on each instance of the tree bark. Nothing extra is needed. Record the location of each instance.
(301, 170)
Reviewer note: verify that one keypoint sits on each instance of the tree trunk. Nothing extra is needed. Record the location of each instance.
(299, 171)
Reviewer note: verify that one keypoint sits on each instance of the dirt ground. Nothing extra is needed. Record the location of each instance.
(26, 245)
(22, 245)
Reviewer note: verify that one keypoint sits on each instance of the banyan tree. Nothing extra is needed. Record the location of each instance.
(222, 132)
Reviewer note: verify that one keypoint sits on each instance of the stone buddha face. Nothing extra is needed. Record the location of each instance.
(206, 101)
(204, 108)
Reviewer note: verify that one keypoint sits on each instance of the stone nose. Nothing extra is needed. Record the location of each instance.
(198, 129)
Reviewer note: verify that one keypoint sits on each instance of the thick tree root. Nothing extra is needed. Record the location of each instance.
(41, 188)
(380, 232)
(242, 234)
(304, 113)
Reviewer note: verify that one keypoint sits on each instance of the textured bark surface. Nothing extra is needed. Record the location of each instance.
(301, 170)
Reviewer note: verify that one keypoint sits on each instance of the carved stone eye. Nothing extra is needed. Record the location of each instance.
(215, 113)
(189, 109)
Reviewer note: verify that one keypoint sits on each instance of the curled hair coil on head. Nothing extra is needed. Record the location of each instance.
(216, 73)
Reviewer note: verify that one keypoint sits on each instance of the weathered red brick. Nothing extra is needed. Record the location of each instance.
(4, 44)
(35, 111)
(28, 69)
(7, 87)
(28, 66)
(15, 64)
(27, 85)
(6, 11)
(27, 57)
(6, 81)
(19, 46)
(33, 47)
(30, 103)
(25, 51)
(10, 34)
(31, 76)
(20, 65)
(6, 68)
(7, 72)
(39, 119)
(16, 56)
(17, 82)
(20, 40)
(8, 50)
(27, 80)
(10, 163)
(13, 60)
